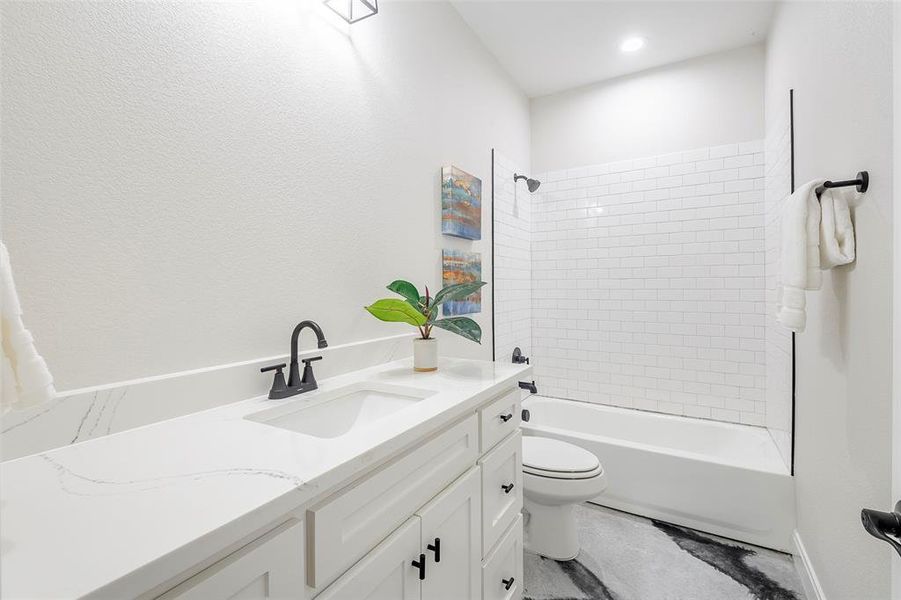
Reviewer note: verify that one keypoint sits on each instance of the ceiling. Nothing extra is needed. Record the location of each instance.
(553, 45)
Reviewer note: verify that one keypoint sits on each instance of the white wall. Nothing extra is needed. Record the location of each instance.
(896, 313)
(707, 101)
(183, 182)
(647, 283)
(838, 58)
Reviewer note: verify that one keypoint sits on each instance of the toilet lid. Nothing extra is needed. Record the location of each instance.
(555, 458)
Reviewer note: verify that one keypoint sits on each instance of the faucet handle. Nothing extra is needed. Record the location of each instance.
(279, 388)
(308, 380)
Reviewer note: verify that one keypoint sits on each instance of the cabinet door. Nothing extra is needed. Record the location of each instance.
(502, 572)
(386, 573)
(501, 489)
(452, 542)
(269, 567)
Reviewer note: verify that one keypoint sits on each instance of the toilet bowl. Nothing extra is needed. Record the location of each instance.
(556, 476)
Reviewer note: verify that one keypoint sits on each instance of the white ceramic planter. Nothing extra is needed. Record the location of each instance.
(425, 354)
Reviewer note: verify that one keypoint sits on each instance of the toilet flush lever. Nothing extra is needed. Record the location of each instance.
(507, 488)
(885, 526)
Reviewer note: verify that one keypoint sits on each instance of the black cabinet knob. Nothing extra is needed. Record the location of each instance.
(507, 488)
(436, 548)
(420, 564)
(508, 583)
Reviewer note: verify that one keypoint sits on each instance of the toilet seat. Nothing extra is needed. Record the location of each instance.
(556, 459)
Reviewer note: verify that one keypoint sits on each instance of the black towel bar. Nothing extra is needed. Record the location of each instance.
(862, 182)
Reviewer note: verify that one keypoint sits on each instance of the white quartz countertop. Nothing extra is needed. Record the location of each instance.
(119, 515)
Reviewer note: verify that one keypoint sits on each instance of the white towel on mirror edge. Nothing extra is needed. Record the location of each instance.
(836, 228)
(800, 255)
(26, 381)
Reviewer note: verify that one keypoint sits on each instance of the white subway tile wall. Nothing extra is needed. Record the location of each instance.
(513, 261)
(778, 338)
(648, 285)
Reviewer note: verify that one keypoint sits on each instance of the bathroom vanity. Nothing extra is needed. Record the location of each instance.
(381, 484)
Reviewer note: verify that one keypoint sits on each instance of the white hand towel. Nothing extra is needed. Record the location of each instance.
(800, 255)
(836, 229)
(25, 378)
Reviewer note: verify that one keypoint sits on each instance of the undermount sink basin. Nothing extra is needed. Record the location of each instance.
(333, 413)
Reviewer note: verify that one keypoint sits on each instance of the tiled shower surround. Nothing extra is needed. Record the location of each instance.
(648, 283)
(778, 338)
(512, 260)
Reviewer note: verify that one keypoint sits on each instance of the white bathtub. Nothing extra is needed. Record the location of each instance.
(717, 477)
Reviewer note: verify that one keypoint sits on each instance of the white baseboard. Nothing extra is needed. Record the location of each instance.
(812, 588)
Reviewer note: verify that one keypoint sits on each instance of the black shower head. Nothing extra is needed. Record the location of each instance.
(532, 184)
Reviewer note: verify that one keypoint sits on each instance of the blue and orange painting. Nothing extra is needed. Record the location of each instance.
(461, 204)
(458, 266)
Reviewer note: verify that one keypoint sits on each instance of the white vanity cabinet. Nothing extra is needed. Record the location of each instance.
(386, 572)
(268, 567)
(442, 539)
(451, 536)
(439, 521)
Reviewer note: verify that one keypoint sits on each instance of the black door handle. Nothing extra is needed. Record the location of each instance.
(508, 583)
(885, 526)
(436, 548)
(420, 564)
(507, 488)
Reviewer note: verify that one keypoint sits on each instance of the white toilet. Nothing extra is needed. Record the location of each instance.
(556, 476)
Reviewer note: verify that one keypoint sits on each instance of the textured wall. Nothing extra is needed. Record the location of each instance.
(183, 182)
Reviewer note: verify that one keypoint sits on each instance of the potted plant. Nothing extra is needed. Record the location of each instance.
(422, 313)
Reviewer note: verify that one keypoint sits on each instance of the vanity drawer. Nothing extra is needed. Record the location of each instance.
(269, 567)
(501, 504)
(344, 527)
(499, 419)
(504, 564)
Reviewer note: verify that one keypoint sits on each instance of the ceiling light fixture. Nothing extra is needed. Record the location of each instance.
(353, 11)
(631, 44)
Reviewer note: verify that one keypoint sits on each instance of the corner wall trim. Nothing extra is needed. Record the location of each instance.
(812, 588)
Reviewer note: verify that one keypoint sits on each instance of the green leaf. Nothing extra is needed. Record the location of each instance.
(457, 291)
(462, 326)
(405, 289)
(396, 311)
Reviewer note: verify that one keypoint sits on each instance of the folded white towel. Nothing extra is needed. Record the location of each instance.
(836, 229)
(800, 255)
(25, 378)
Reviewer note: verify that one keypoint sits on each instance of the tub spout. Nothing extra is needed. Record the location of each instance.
(529, 385)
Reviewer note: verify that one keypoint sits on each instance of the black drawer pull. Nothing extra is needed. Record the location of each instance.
(436, 548)
(506, 418)
(507, 488)
(508, 583)
(421, 566)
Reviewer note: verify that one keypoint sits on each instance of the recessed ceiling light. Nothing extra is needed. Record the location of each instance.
(631, 44)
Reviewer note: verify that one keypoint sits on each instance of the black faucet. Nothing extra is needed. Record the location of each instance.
(297, 383)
